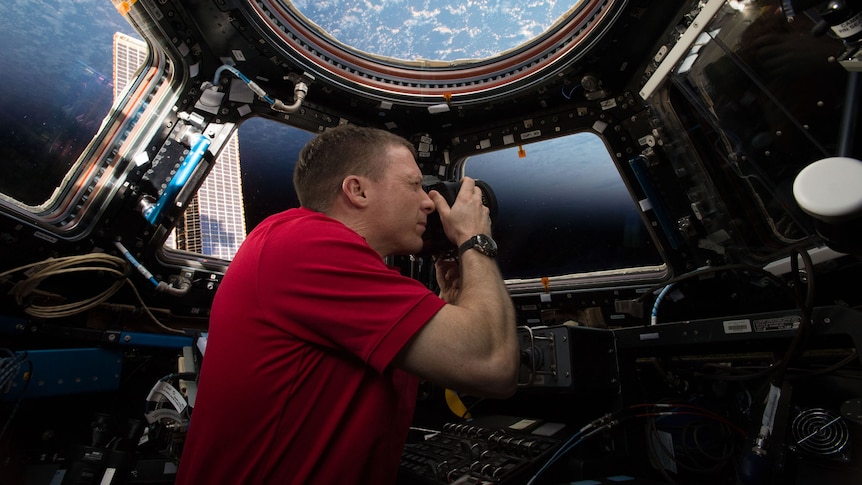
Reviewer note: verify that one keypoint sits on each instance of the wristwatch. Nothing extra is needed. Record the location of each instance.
(480, 242)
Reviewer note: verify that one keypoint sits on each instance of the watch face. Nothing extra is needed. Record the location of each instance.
(482, 243)
(486, 245)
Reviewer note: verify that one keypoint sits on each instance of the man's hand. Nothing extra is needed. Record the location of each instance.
(467, 217)
(449, 279)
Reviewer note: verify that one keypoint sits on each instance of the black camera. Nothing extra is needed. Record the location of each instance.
(436, 242)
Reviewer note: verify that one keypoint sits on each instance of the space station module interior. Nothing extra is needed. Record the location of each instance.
(675, 188)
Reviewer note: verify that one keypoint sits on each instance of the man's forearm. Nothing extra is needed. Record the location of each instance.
(485, 294)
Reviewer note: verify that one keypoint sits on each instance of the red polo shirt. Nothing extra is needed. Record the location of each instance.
(296, 385)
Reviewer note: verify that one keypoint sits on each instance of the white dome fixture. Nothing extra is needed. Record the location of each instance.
(830, 190)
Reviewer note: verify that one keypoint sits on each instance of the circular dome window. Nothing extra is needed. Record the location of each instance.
(435, 51)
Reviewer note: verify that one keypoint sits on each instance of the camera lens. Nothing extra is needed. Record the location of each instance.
(435, 238)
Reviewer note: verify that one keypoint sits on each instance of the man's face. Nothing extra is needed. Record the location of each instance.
(400, 207)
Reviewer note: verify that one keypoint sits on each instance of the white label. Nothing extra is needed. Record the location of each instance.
(777, 324)
(850, 27)
(737, 326)
(771, 407)
(170, 393)
(108, 477)
(531, 134)
(523, 424)
(649, 336)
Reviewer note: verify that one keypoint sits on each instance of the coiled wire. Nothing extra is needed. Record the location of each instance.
(42, 270)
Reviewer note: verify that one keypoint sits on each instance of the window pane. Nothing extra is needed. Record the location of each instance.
(563, 209)
(435, 30)
(252, 179)
(57, 88)
(269, 151)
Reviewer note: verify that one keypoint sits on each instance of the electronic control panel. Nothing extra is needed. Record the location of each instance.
(499, 450)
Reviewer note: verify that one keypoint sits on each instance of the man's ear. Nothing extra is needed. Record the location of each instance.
(353, 187)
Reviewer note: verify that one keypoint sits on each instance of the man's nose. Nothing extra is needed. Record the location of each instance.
(428, 204)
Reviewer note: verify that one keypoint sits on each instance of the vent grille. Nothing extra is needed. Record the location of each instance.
(820, 432)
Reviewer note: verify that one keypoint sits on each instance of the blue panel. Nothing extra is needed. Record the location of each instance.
(155, 340)
(66, 371)
(12, 325)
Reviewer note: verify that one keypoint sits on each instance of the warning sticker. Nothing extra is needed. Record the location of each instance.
(789, 322)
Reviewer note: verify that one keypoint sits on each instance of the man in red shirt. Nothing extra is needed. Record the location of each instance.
(316, 346)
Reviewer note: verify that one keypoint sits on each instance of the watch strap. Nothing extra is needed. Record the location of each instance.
(474, 243)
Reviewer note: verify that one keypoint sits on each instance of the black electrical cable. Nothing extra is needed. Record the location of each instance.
(709, 270)
(805, 304)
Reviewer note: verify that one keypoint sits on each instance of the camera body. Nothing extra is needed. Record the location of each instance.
(436, 242)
